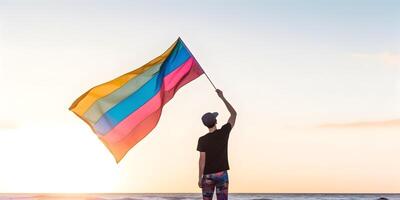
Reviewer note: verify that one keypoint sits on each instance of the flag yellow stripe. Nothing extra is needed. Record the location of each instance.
(84, 102)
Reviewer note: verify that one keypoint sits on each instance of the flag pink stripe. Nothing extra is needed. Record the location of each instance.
(143, 128)
(170, 81)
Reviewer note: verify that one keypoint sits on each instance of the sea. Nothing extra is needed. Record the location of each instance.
(197, 196)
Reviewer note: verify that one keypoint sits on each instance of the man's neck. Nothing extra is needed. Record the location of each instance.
(210, 130)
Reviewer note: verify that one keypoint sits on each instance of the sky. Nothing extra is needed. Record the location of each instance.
(316, 85)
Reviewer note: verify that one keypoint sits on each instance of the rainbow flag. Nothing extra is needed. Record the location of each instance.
(124, 110)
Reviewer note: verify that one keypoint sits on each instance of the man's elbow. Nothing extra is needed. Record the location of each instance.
(202, 163)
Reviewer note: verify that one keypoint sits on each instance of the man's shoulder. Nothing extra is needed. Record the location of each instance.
(226, 127)
(203, 137)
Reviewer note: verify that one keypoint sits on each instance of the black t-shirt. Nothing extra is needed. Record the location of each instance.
(215, 144)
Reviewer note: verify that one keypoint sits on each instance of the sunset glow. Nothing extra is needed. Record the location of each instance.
(316, 85)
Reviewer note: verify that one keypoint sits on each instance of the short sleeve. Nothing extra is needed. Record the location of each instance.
(226, 129)
(200, 146)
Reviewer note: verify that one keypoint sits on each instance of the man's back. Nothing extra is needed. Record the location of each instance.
(215, 144)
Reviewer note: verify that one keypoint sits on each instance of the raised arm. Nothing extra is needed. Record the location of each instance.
(231, 110)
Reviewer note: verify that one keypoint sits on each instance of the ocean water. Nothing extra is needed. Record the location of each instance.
(197, 196)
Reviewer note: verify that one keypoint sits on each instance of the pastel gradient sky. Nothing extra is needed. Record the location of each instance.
(316, 85)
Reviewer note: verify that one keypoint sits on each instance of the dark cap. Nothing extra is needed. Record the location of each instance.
(209, 119)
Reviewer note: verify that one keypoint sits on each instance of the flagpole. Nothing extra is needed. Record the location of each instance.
(209, 79)
(179, 39)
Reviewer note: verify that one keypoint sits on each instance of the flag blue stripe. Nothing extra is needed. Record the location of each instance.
(119, 112)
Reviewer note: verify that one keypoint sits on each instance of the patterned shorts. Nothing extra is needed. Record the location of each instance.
(218, 181)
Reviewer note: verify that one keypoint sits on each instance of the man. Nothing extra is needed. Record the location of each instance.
(213, 147)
